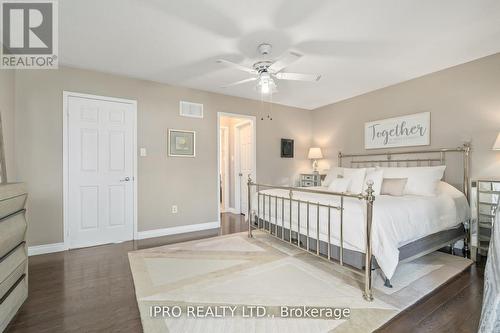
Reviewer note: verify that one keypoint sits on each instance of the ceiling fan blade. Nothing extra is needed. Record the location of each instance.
(237, 66)
(240, 82)
(298, 77)
(284, 61)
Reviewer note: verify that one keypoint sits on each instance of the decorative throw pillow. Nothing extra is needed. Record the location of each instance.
(421, 180)
(393, 186)
(357, 177)
(339, 185)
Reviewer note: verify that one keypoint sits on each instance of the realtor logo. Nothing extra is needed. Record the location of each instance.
(29, 34)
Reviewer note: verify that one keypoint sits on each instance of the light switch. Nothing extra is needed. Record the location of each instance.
(143, 152)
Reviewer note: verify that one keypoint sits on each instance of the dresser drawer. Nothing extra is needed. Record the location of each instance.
(12, 198)
(307, 177)
(306, 183)
(12, 205)
(12, 231)
(12, 301)
(11, 280)
(12, 266)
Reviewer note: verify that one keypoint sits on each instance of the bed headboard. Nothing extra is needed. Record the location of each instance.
(457, 161)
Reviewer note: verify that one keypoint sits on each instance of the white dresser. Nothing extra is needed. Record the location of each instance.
(488, 194)
(490, 314)
(310, 179)
(13, 251)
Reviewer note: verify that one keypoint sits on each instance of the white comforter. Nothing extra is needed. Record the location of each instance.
(396, 220)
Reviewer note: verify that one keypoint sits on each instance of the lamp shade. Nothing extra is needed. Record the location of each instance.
(314, 153)
(496, 146)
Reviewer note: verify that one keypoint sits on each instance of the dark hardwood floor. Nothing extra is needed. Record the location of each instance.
(454, 307)
(91, 290)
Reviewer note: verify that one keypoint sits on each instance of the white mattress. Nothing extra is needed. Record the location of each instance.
(396, 220)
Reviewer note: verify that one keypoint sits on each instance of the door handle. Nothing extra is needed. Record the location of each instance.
(126, 179)
(240, 174)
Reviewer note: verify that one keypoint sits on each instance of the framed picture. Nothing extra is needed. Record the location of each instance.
(405, 131)
(286, 148)
(181, 143)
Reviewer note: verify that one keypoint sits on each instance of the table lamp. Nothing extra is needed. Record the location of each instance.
(496, 145)
(315, 154)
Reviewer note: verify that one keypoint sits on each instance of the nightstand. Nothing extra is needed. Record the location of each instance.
(310, 179)
(488, 194)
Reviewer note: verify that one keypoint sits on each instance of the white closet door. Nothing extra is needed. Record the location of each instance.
(246, 163)
(100, 173)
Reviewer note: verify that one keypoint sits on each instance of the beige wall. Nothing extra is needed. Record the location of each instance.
(7, 110)
(189, 183)
(464, 102)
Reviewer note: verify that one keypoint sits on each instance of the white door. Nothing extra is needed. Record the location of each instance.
(223, 168)
(245, 139)
(100, 171)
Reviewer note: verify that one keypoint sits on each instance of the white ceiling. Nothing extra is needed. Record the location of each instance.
(357, 46)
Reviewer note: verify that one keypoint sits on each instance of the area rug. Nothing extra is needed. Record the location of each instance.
(237, 284)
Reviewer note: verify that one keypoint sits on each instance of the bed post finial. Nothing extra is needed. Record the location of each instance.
(249, 204)
(369, 198)
(339, 163)
(369, 191)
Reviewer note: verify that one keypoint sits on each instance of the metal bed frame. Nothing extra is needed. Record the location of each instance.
(312, 245)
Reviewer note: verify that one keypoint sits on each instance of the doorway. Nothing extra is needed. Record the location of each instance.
(100, 166)
(239, 151)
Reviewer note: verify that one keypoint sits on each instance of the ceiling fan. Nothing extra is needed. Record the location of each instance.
(267, 71)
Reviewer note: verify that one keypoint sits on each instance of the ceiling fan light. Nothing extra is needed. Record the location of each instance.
(266, 84)
(264, 87)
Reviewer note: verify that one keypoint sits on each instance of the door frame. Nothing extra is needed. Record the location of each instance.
(133, 103)
(225, 191)
(253, 119)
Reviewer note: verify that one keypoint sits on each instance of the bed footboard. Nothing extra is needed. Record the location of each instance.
(295, 237)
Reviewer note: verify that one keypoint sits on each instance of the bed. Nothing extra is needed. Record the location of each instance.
(344, 227)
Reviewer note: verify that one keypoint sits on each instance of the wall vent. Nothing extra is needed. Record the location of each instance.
(193, 110)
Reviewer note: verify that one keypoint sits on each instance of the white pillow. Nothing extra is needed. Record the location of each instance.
(339, 185)
(393, 186)
(421, 180)
(357, 177)
(332, 174)
(452, 191)
(376, 176)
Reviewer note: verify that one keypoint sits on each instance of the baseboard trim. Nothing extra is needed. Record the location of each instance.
(45, 248)
(177, 230)
(58, 247)
(232, 210)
